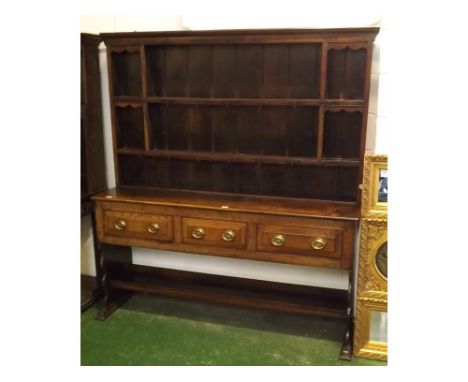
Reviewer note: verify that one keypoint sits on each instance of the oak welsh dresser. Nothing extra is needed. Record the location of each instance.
(245, 144)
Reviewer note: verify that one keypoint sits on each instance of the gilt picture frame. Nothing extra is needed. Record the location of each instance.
(370, 323)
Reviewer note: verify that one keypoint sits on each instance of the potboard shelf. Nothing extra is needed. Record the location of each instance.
(231, 290)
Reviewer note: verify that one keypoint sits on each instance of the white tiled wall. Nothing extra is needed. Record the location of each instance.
(102, 24)
(377, 130)
(379, 96)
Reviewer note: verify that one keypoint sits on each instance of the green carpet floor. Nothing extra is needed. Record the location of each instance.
(150, 330)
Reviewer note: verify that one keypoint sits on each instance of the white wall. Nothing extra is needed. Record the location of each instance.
(376, 139)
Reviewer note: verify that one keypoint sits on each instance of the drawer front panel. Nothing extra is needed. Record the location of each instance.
(133, 224)
(214, 233)
(300, 240)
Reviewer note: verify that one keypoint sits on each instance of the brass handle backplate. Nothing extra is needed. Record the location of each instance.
(318, 243)
(198, 233)
(278, 240)
(229, 235)
(153, 228)
(120, 225)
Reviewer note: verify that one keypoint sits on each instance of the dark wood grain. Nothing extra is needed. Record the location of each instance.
(346, 72)
(276, 63)
(126, 73)
(130, 127)
(250, 72)
(304, 111)
(224, 78)
(200, 67)
(176, 71)
(342, 134)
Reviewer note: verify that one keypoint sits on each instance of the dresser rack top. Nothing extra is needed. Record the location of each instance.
(244, 36)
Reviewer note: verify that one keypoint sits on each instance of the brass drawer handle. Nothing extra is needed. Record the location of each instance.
(318, 243)
(229, 235)
(198, 233)
(278, 240)
(120, 225)
(153, 228)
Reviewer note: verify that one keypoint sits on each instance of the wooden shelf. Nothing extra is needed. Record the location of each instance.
(122, 101)
(240, 158)
(234, 101)
(231, 290)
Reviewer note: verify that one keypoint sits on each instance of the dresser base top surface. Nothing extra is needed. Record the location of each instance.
(233, 202)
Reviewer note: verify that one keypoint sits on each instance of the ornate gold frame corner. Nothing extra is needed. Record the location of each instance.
(370, 206)
(363, 346)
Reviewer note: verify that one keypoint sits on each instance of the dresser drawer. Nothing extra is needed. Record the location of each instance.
(138, 225)
(313, 241)
(214, 233)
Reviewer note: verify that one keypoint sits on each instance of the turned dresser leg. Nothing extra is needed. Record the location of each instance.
(113, 298)
(347, 345)
(119, 298)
